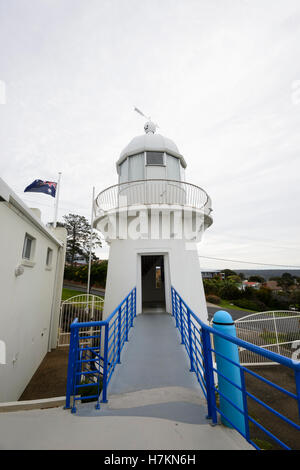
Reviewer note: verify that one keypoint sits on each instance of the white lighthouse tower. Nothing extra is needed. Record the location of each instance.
(152, 220)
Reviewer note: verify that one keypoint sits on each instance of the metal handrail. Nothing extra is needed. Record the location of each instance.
(152, 192)
(196, 337)
(110, 336)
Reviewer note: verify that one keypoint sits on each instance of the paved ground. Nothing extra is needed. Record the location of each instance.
(234, 313)
(59, 429)
(82, 288)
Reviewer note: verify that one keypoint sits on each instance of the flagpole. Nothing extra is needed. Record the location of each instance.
(56, 200)
(91, 244)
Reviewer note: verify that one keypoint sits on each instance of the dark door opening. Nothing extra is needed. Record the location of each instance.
(153, 282)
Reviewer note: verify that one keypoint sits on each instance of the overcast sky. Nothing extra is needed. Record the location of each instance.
(221, 77)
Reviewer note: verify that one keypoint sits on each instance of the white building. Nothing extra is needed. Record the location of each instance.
(31, 275)
(152, 220)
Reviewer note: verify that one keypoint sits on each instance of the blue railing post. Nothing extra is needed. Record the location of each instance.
(119, 334)
(209, 376)
(131, 308)
(176, 310)
(76, 365)
(223, 322)
(126, 320)
(245, 404)
(135, 302)
(190, 339)
(105, 364)
(173, 305)
(71, 364)
(181, 322)
(297, 380)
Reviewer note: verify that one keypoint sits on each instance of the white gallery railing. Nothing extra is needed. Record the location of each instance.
(152, 192)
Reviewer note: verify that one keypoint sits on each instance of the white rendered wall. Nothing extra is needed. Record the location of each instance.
(27, 301)
(182, 270)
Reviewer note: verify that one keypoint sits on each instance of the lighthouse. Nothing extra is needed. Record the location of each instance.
(153, 220)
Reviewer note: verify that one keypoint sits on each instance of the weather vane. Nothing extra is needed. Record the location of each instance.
(150, 127)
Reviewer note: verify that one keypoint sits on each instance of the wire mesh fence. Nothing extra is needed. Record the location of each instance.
(278, 331)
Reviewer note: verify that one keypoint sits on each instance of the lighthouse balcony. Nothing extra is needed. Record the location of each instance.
(161, 193)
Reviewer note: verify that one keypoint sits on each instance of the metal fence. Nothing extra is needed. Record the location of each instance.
(152, 191)
(197, 338)
(277, 331)
(95, 349)
(85, 308)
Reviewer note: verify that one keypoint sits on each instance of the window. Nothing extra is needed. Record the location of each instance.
(155, 158)
(49, 257)
(28, 247)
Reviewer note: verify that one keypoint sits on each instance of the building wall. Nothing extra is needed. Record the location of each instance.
(182, 270)
(29, 302)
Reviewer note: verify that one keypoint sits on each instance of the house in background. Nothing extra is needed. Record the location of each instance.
(212, 274)
(31, 277)
(273, 286)
(253, 285)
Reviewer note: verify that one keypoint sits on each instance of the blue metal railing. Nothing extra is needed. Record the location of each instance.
(95, 349)
(196, 338)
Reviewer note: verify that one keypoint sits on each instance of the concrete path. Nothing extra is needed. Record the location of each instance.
(59, 429)
(153, 357)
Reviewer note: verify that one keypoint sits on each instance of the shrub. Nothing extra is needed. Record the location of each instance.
(229, 292)
(213, 299)
(80, 273)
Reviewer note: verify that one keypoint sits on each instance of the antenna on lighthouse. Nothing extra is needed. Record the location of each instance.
(149, 126)
(142, 114)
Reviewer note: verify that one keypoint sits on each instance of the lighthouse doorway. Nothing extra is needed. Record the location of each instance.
(153, 283)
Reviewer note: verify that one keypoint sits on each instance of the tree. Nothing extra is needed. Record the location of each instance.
(78, 239)
(228, 272)
(286, 281)
(257, 278)
(229, 289)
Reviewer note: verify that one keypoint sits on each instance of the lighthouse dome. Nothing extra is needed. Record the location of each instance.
(150, 142)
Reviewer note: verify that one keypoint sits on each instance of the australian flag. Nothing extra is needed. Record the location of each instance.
(39, 186)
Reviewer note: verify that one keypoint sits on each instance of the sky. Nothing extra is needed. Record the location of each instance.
(221, 78)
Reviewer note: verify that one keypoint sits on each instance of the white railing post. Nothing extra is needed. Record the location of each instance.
(276, 332)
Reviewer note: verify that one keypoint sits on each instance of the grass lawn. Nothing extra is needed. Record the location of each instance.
(228, 304)
(67, 293)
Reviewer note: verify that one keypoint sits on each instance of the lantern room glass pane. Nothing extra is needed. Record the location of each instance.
(173, 168)
(124, 171)
(155, 158)
(136, 167)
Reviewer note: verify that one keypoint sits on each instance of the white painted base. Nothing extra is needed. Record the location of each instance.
(182, 271)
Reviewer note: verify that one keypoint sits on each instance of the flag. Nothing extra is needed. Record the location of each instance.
(39, 186)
